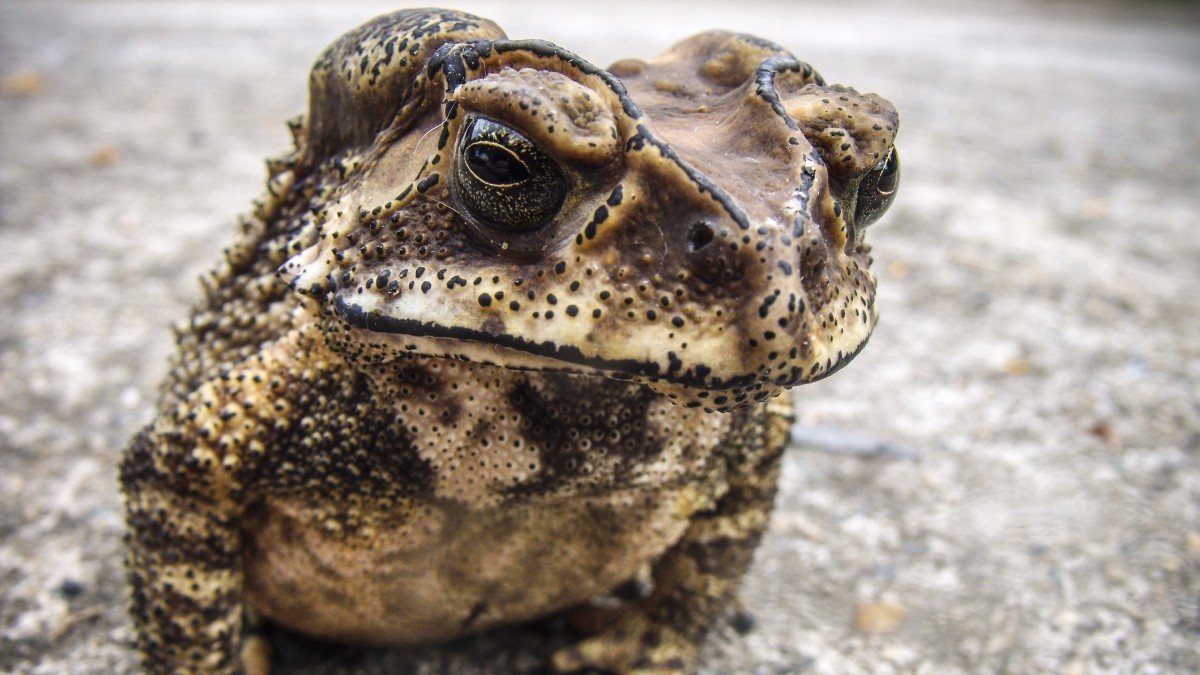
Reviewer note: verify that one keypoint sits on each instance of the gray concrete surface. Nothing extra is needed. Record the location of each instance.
(1038, 356)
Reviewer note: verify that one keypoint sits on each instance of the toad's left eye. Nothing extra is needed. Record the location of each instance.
(505, 180)
(877, 190)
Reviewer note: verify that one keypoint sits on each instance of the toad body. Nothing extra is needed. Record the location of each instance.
(506, 332)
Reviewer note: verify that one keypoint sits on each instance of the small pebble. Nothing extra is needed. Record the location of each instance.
(23, 82)
(878, 618)
(1193, 544)
(742, 622)
(105, 155)
(70, 589)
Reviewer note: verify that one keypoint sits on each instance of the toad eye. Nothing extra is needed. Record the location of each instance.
(877, 190)
(505, 180)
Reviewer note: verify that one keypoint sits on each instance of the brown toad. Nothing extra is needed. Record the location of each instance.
(506, 332)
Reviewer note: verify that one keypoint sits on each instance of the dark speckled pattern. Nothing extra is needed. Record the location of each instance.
(391, 421)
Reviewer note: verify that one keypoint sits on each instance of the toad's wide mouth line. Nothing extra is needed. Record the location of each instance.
(698, 377)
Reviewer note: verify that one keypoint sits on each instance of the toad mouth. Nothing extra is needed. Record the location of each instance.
(697, 377)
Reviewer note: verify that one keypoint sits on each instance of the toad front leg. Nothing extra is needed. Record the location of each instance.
(184, 558)
(186, 480)
(697, 579)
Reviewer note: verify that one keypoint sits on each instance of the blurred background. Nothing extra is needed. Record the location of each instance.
(1006, 480)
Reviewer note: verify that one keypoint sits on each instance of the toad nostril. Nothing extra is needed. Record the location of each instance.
(699, 236)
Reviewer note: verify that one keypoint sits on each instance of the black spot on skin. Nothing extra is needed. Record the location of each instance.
(427, 182)
(765, 307)
(617, 195)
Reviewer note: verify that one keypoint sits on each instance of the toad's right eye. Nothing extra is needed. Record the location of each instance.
(505, 181)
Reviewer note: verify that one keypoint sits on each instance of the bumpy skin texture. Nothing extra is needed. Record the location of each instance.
(446, 379)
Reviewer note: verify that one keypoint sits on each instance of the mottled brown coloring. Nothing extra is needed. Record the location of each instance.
(506, 333)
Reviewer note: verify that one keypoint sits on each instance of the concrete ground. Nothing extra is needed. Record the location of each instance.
(1007, 480)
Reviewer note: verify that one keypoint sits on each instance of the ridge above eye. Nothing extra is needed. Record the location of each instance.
(505, 180)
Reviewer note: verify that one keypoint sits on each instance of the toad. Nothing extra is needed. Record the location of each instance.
(506, 333)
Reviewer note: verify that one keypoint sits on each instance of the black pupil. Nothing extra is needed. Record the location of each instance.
(495, 164)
